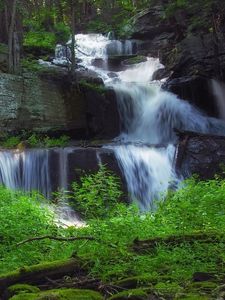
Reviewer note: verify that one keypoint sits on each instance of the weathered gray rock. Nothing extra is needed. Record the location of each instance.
(150, 23)
(200, 154)
(83, 161)
(196, 90)
(50, 102)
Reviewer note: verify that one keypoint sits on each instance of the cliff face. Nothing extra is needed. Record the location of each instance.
(49, 102)
(193, 52)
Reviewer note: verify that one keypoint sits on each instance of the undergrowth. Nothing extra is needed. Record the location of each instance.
(33, 140)
(196, 208)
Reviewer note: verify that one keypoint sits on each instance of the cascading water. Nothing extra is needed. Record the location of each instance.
(218, 89)
(148, 118)
(148, 115)
(27, 171)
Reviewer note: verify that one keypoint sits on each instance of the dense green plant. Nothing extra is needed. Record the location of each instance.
(99, 88)
(34, 140)
(31, 65)
(40, 39)
(196, 208)
(22, 216)
(11, 142)
(97, 195)
(62, 141)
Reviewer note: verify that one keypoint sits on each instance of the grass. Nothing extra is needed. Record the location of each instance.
(197, 208)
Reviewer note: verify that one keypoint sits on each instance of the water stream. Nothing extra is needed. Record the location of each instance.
(148, 115)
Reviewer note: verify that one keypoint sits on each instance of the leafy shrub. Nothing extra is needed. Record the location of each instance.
(97, 195)
(40, 39)
(35, 140)
(62, 33)
(31, 65)
(11, 142)
(22, 216)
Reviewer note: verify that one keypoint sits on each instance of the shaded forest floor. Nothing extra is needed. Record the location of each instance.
(175, 252)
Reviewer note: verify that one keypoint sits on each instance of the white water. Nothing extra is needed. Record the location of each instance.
(219, 93)
(27, 171)
(148, 116)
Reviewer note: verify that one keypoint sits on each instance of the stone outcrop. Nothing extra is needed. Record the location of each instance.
(192, 56)
(50, 102)
(203, 155)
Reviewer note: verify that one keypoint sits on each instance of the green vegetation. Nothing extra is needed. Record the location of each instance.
(199, 13)
(99, 88)
(135, 60)
(153, 252)
(42, 40)
(60, 294)
(33, 140)
(100, 201)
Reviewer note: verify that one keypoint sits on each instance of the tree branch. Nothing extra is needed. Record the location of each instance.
(55, 238)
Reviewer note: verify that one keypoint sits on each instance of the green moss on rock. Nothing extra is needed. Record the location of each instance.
(133, 294)
(136, 281)
(135, 60)
(60, 294)
(25, 288)
(191, 296)
(167, 288)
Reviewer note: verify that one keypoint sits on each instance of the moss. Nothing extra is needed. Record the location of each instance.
(136, 281)
(191, 296)
(25, 288)
(167, 288)
(205, 286)
(3, 49)
(133, 294)
(60, 294)
(28, 271)
(99, 88)
(31, 65)
(135, 60)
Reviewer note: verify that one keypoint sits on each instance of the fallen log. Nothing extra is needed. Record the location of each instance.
(142, 246)
(38, 274)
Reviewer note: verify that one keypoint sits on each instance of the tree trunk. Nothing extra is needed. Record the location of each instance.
(73, 57)
(12, 41)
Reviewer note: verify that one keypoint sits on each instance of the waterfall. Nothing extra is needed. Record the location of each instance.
(218, 89)
(27, 171)
(148, 115)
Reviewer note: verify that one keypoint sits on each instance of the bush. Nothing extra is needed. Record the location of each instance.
(22, 216)
(97, 195)
(40, 39)
(62, 33)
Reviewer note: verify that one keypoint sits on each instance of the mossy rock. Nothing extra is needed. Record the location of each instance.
(134, 60)
(3, 49)
(60, 294)
(136, 281)
(22, 288)
(205, 286)
(133, 294)
(167, 288)
(191, 296)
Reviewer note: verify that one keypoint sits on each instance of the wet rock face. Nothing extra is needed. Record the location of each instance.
(50, 102)
(81, 161)
(191, 58)
(148, 24)
(200, 154)
(196, 90)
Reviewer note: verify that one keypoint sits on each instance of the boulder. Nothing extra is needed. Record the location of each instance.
(150, 23)
(50, 102)
(195, 89)
(200, 154)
